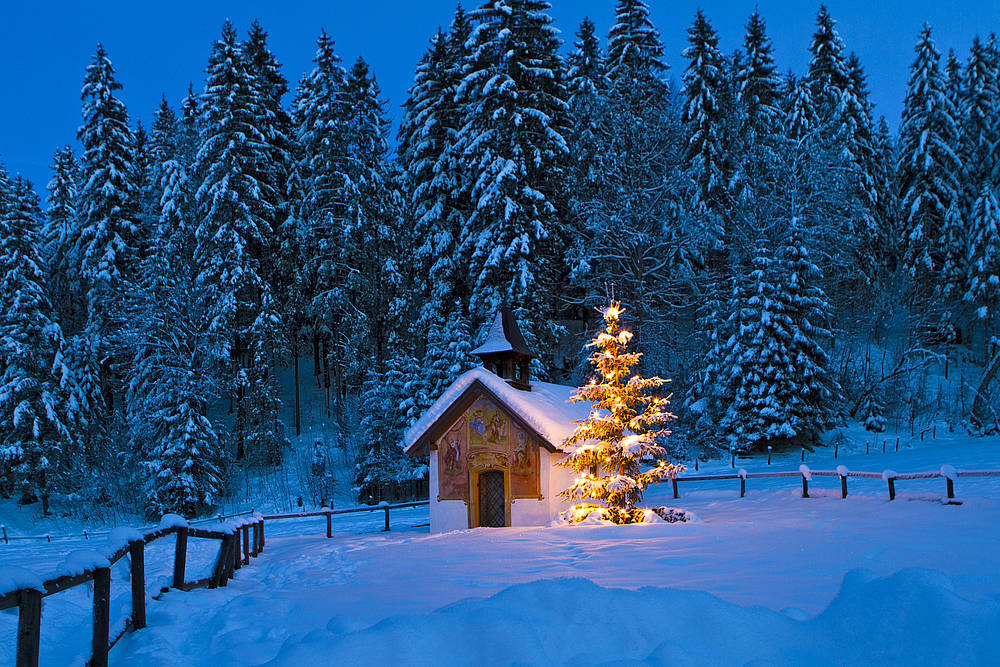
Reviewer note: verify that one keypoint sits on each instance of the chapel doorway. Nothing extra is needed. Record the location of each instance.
(492, 512)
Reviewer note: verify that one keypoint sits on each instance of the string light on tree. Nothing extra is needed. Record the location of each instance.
(611, 448)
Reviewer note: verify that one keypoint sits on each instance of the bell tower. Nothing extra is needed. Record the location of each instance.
(505, 353)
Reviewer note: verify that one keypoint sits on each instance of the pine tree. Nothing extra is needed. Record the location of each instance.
(705, 88)
(757, 82)
(984, 257)
(384, 396)
(109, 228)
(171, 386)
(872, 413)
(775, 383)
(979, 113)
(38, 406)
(268, 86)
(372, 237)
(630, 231)
(320, 111)
(635, 63)
(586, 86)
(512, 140)
(828, 76)
(609, 449)
(435, 187)
(59, 242)
(928, 166)
(233, 206)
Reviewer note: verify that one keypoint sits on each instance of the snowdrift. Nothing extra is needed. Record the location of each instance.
(912, 617)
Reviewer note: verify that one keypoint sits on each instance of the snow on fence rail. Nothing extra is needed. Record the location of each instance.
(87, 534)
(239, 541)
(806, 474)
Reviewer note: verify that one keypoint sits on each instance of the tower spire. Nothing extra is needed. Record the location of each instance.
(504, 351)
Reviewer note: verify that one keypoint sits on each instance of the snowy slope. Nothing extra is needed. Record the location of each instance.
(732, 588)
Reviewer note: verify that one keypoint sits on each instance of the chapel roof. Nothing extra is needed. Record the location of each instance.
(545, 409)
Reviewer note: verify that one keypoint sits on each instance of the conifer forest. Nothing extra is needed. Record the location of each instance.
(789, 258)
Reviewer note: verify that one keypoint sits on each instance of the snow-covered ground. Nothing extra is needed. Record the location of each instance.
(771, 577)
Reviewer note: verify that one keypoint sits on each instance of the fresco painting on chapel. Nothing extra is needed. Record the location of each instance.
(485, 438)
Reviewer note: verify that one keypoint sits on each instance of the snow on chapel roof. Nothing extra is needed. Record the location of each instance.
(504, 336)
(544, 408)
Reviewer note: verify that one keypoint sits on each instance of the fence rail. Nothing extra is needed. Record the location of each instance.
(240, 540)
(947, 472)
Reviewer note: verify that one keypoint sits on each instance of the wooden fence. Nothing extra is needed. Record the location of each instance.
(239, 541)
(891, 477)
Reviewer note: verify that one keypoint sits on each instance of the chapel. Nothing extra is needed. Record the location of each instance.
(494, 437)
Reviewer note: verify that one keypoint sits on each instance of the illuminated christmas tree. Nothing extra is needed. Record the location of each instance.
(615, 450)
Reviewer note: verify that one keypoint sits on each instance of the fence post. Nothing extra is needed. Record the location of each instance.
(256, 538)
(246, 544)
(102, 616)
(892, 487)
(673, 482)
(219, 571)
(951, 487)
(261, 535)
(329, 525)
(743, 486)
(386, 529)
(29, 625)
(136, 551)
(843, 486)
(4, 529)
(235, 556)
(769, 448)
(180, 556)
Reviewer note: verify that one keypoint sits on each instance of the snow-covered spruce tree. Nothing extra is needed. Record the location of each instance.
(109, 196)
(871, 413)
(108, 237)
(436, 190)
(887, 194)
(756, 120)
(631, 232)
(384, 396)
(448, 356)
(707, 154)
(373, 236)
(774, 378)
(757, 83)
(59, 243)
(235, 211)
(611, 448)
(984, 257)
(828, 76)
(319, 173)
(512, 140)
(172, 384)
(586, 86)
(928, 167)
(979, 115)
(268, 87)
(858, 150)
(233, 204)
(263, 433)
(38, 403)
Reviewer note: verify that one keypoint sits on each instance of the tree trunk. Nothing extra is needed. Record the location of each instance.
(298, 408)
(979, 402)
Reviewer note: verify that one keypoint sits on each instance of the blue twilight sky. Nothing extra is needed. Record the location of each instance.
(158, 47)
